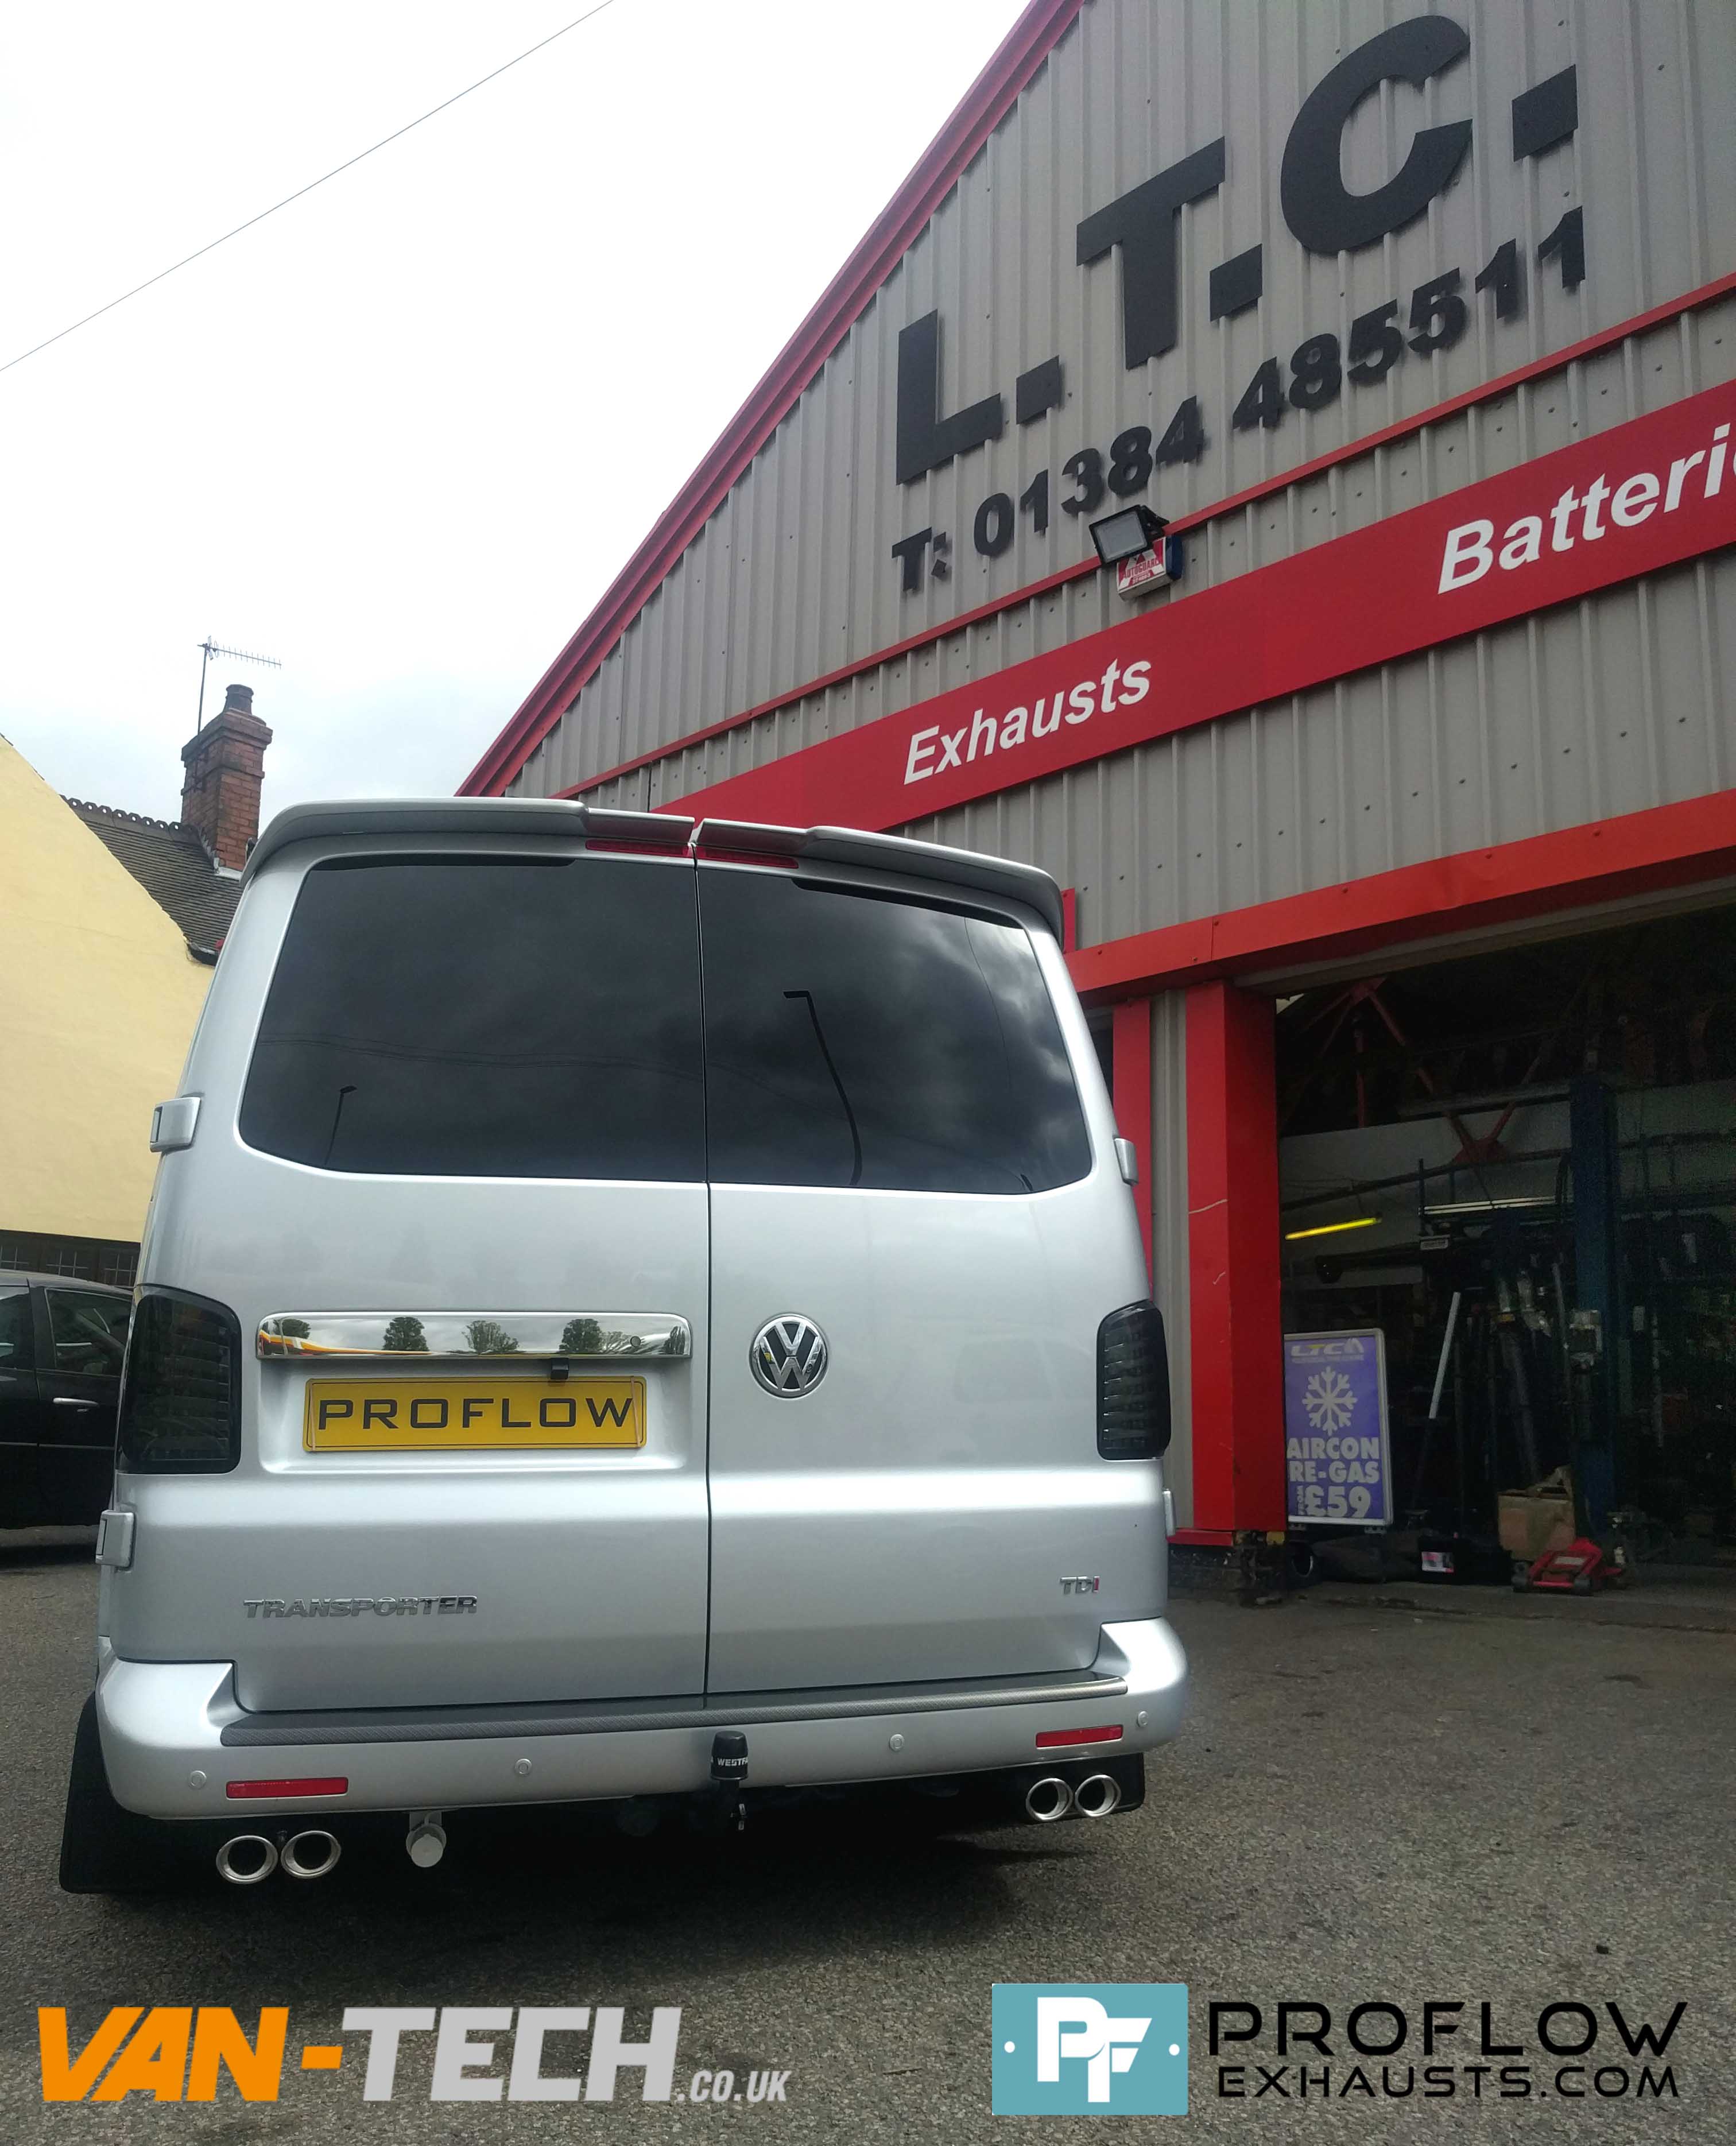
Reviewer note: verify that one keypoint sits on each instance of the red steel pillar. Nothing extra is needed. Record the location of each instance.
(1232, 1259)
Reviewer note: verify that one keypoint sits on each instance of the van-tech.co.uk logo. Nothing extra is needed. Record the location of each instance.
(176, 2052)
(1091, 2048)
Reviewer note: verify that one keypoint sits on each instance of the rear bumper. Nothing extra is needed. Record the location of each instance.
(162, 1727)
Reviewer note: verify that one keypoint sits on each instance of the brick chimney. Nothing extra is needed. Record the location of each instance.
(225, 765)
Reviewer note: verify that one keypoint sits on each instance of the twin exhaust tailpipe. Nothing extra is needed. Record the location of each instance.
(249, 1858)
(1051, 1798)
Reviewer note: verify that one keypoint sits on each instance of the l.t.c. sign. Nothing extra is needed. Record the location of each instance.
(1322, 214)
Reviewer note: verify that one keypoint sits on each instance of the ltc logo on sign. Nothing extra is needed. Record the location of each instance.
(1091, 2048)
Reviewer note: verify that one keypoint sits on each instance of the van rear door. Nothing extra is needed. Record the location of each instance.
(906, 1201)
(469, 1139)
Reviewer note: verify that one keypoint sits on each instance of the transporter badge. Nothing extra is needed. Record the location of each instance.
(362, 1605)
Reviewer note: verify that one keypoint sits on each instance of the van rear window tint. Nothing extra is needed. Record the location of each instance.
(851, 1039)
(483, 1017)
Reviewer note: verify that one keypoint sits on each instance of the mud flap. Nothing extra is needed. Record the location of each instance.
(104, 1848)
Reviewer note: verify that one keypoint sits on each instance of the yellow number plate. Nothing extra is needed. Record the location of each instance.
(433, 1415)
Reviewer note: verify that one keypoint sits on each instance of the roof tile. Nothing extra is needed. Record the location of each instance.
(173, 864)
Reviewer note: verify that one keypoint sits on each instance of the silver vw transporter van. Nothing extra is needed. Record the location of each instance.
(634, 1314)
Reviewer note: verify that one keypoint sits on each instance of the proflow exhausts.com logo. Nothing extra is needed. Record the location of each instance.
(1091, 2048)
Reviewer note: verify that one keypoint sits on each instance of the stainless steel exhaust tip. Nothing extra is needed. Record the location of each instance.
(311, 1854)
(1047, 1799)
(247, 1859)
(1097, 1795)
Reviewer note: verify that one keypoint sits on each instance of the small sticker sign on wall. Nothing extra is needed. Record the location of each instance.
(1338, 1456)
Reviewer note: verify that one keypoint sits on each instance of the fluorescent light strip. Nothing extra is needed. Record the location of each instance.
(1331, 1228)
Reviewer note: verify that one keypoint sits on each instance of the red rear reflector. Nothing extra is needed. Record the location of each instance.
(319, 1784)
(1052, 1739)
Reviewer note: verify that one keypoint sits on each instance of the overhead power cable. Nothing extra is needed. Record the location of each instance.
(348, 164)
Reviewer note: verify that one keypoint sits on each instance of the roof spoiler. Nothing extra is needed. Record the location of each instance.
(663, 830)
(893, 853)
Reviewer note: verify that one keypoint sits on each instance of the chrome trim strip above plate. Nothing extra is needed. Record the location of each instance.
(582, 1336)
(438, 1724)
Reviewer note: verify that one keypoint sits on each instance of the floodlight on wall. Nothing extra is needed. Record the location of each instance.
(1132, 540)
(1119, 535)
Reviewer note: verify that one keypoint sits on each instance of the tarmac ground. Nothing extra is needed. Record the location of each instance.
(1384, 1796)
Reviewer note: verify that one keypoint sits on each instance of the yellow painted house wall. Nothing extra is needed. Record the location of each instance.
(99, 1000)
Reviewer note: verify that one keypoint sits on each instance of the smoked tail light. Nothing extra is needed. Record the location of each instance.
(180, 1410)
(1133, 1384)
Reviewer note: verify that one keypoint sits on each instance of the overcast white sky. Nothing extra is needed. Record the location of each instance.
(403, 435)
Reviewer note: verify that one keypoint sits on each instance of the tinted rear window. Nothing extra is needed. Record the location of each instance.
(484, 1017)
(856, 1040)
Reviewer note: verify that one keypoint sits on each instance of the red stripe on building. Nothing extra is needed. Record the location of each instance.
(1387, 436)
(1667, 847)
(1365, 598)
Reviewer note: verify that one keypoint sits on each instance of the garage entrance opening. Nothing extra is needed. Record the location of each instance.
(1519, 1171)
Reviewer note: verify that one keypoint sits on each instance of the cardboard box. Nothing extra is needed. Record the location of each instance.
(1534, 1521)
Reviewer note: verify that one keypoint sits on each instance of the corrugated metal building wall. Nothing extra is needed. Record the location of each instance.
(1607, 706)
(792, 577)
(1601, 707)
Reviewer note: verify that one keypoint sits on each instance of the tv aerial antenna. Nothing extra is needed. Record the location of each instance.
(241, 656)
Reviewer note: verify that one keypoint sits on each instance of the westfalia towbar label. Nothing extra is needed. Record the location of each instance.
(1643, 495)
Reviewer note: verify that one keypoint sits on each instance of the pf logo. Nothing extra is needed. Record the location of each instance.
(789, 1355)
(1081, 2027)
(1116, 2049)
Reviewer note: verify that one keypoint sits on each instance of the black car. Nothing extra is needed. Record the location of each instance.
(61, 1346)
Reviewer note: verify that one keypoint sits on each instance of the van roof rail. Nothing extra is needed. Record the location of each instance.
(330, 822)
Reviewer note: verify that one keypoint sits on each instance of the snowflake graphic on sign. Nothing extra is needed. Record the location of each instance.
(1329, 1397)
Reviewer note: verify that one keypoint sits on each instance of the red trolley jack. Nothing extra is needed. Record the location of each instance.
(1581, 1568)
